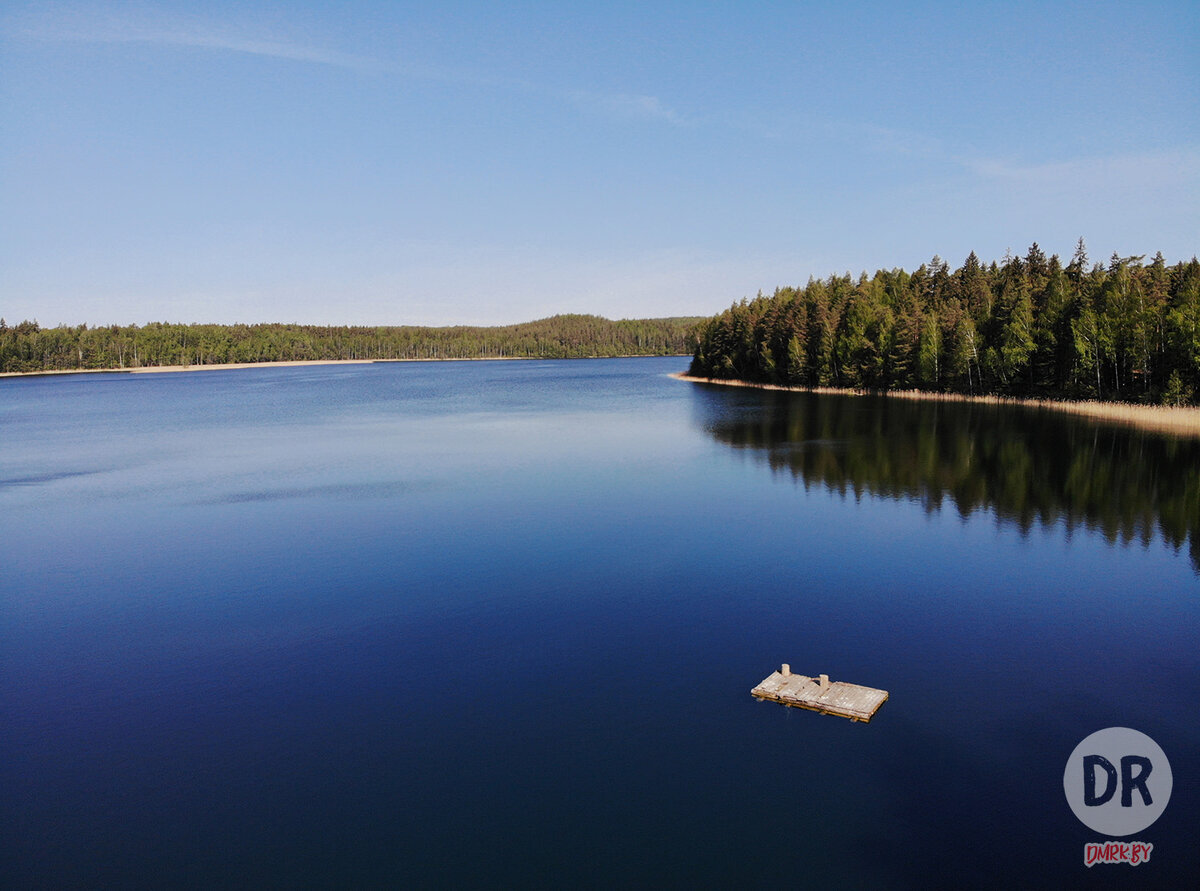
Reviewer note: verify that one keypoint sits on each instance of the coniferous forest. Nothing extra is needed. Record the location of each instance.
(1028, 326)
(29, 348)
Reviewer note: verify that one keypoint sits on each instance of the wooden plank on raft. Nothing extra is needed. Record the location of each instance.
(820, 694)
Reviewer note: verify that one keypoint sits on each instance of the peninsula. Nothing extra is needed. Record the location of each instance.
(1027, 328)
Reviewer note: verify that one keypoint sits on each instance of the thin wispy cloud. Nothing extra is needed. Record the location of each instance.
(1161, 167)
(156, 29)
(629, 105)
(1152, 167)
(181, 31)
(268, 48)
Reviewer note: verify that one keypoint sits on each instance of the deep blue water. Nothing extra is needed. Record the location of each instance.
(495, 624)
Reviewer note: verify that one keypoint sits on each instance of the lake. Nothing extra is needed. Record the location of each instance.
(496, 623)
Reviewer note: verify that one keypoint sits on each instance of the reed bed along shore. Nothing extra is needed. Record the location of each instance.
(1182, 421)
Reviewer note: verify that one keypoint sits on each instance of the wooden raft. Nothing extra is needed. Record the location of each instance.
(821, 694)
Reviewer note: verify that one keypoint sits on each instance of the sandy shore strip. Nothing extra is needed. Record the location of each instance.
(217, 366)
(156, 369)
(162, 369)
(1182, 421)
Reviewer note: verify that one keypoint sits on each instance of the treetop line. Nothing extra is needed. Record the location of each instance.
(1128, 331)
(30, 348)
(1028, 326)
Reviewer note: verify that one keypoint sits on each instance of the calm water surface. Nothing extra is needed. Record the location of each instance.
(495, 623)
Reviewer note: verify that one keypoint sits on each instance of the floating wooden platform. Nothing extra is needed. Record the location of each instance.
(821, 694)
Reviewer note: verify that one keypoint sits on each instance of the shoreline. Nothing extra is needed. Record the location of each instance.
(164, 369)
(1182, 421)
(294, 363)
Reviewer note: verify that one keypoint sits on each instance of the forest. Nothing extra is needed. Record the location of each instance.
(1028, 326)
(27, 347)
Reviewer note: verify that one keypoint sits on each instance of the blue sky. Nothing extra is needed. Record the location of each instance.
(396, 163)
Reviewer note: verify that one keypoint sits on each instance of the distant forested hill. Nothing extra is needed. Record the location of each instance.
(28, 347)
(1128, 331)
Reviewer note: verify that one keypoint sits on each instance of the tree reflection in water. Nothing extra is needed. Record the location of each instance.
(1027, 465)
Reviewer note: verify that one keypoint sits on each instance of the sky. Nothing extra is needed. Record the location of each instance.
(490, 163)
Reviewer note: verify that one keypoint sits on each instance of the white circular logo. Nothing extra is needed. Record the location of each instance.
(1117, 781)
